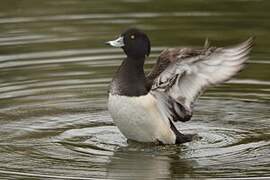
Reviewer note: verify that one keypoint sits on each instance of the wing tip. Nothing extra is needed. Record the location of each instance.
(247, 44)
(250, 41)
(252, 38)
(242, 49)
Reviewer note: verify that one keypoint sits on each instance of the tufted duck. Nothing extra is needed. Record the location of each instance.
(144, 107)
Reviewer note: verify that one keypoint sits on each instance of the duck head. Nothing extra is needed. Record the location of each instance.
(134, 42)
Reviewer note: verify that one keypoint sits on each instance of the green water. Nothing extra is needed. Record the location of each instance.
(54, 76)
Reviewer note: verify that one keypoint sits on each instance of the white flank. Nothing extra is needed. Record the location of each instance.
(140, 119)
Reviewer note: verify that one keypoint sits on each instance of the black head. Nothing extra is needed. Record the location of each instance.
(134, 42)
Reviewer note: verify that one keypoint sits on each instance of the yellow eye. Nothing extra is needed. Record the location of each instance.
(132, 37)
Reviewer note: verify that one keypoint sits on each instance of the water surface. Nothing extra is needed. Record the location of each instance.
(54, 76)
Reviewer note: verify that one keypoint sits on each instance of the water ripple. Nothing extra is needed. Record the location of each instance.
(104, 16)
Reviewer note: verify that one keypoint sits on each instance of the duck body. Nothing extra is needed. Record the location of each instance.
(140, 119)
(145, 107)
(134, 109)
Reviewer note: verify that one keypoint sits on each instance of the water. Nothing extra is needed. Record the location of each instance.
(54, 75)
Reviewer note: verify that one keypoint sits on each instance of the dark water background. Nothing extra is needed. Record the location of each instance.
(54, 75)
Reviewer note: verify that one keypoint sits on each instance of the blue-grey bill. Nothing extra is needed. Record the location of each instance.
(119, 42)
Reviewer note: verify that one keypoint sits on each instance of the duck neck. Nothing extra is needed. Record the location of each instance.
(130, 78)
(135, 65)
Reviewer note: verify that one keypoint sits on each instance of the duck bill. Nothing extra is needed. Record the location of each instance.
(119, 42)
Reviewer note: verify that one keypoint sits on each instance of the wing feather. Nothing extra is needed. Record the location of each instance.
(187, 76)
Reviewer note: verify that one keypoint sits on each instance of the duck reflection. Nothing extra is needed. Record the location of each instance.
(137, 161)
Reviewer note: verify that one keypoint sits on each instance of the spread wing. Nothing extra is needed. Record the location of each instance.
(184, 74)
